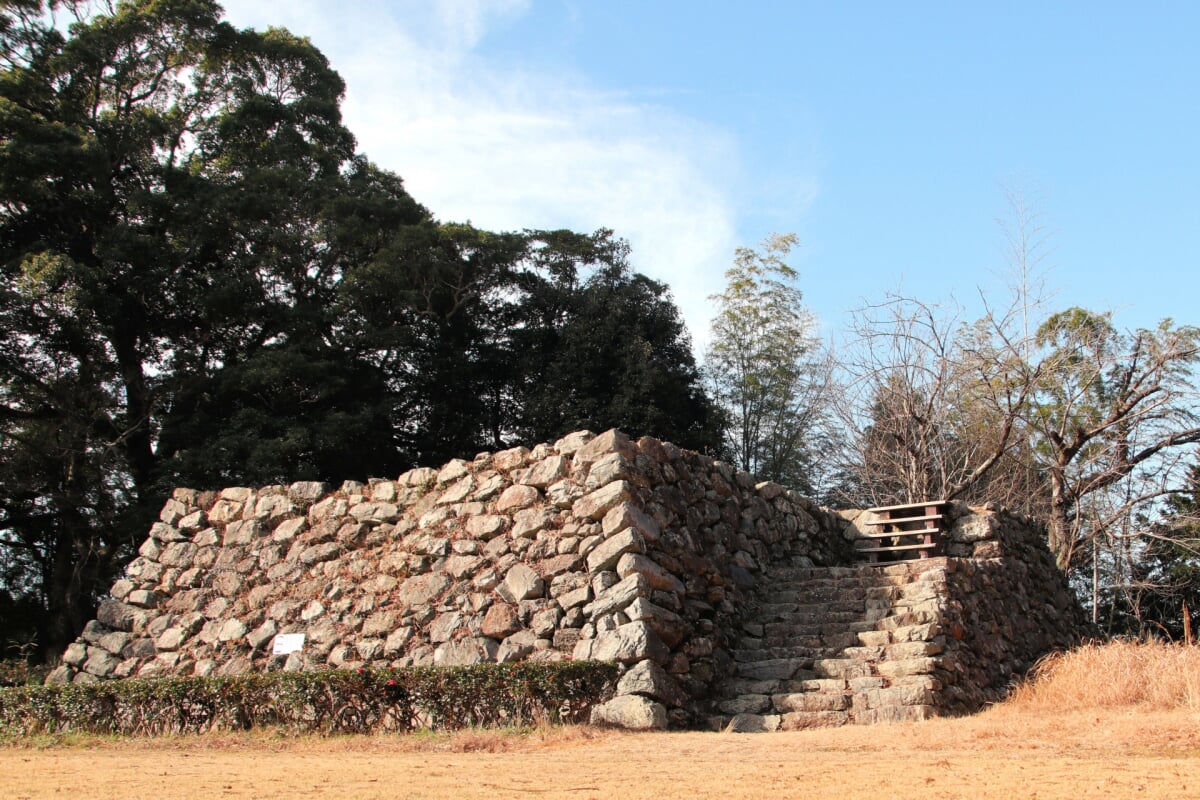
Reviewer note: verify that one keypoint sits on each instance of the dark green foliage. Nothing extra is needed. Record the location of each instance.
(202, 284)
(336, 701)
(603, 350)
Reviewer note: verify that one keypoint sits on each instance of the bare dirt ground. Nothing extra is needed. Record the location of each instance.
(1000, 754)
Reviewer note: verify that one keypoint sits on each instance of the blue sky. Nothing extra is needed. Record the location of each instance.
(886, 135)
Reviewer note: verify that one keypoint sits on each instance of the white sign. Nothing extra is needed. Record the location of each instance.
(287, 643)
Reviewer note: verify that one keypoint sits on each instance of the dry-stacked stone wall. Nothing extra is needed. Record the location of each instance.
(595, 546)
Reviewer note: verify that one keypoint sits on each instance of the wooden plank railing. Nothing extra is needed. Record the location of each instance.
(903, 532)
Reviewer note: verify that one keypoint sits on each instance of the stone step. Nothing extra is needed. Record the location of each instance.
(777, 653)
(776, 669)
(840, 668)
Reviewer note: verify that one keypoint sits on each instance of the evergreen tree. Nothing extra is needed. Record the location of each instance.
(762, 365)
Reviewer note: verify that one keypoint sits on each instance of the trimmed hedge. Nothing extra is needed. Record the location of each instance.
(332, 701)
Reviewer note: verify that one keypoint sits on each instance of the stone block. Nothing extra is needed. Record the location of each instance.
(611, 441)
(516, 647)
(421, 590)
(667, 624)
(515, 498)
(628, 643)
(501, 620)
(547, 471)
(617, 597)
(485, 526)
(752, 723)
(115, 614)
(628, 515)
(598, 503)
(649, 679)
(607, 553)
(465, 652)
(655, 574)
(632, 712)
(521, 583)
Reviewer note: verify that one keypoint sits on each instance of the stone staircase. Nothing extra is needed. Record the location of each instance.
(825, 646)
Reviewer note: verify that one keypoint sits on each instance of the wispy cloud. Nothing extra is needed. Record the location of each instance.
(507, 148)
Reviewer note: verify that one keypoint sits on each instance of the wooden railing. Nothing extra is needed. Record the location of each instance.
(900, 533)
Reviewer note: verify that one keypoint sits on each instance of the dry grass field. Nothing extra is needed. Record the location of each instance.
(1105, 722)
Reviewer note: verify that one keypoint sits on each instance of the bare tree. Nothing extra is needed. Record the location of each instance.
(1108, 404)
(932, 405)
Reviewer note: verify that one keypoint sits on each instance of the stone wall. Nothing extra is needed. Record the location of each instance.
(591, 547)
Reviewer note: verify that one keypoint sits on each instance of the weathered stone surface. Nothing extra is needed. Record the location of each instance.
(170, 639)
(485, 526)
(671, 627)
(752, 723)
(465, 652)
(516, 647)
(746, 704)
(515, 498)
(974, 528)
(810, 701)
(444, 626)
(453, 471)
(142, 598)
(233, 629)
(115, 615)
(656, 575)
(320, 552)
(306, 492)
(611, 441)
(457, 491)
(521, 583)
(420, 590)
(606, 554)
(396, 641)
(547, 471)
(528, 522)
(803, 720)
(632, 712)
(557, 565)
(627, 515)
(262, 635)
(572, 442)
(100, 663)
(629, 643)
(609, 468)
(500, 621)
(75, 654)
(381, 623)
(649, 679)
(598, 503)
(618, 596)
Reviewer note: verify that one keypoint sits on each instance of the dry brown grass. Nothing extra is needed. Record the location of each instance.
(1141, 675)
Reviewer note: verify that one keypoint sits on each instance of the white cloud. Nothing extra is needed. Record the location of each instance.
(507, 148)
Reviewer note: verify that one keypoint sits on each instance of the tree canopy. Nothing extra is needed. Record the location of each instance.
(202, 283)
(763, 365)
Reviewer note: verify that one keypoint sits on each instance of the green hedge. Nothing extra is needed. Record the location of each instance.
(333, 701)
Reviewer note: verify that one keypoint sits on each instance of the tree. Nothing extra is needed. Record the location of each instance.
(202, 284)
(167, 266)
(930, 405)
(1165, 585)
(764, 367)
(508, 338)
(1107, 405)
(601, 346)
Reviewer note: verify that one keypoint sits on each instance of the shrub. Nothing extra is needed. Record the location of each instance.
(333, 701)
